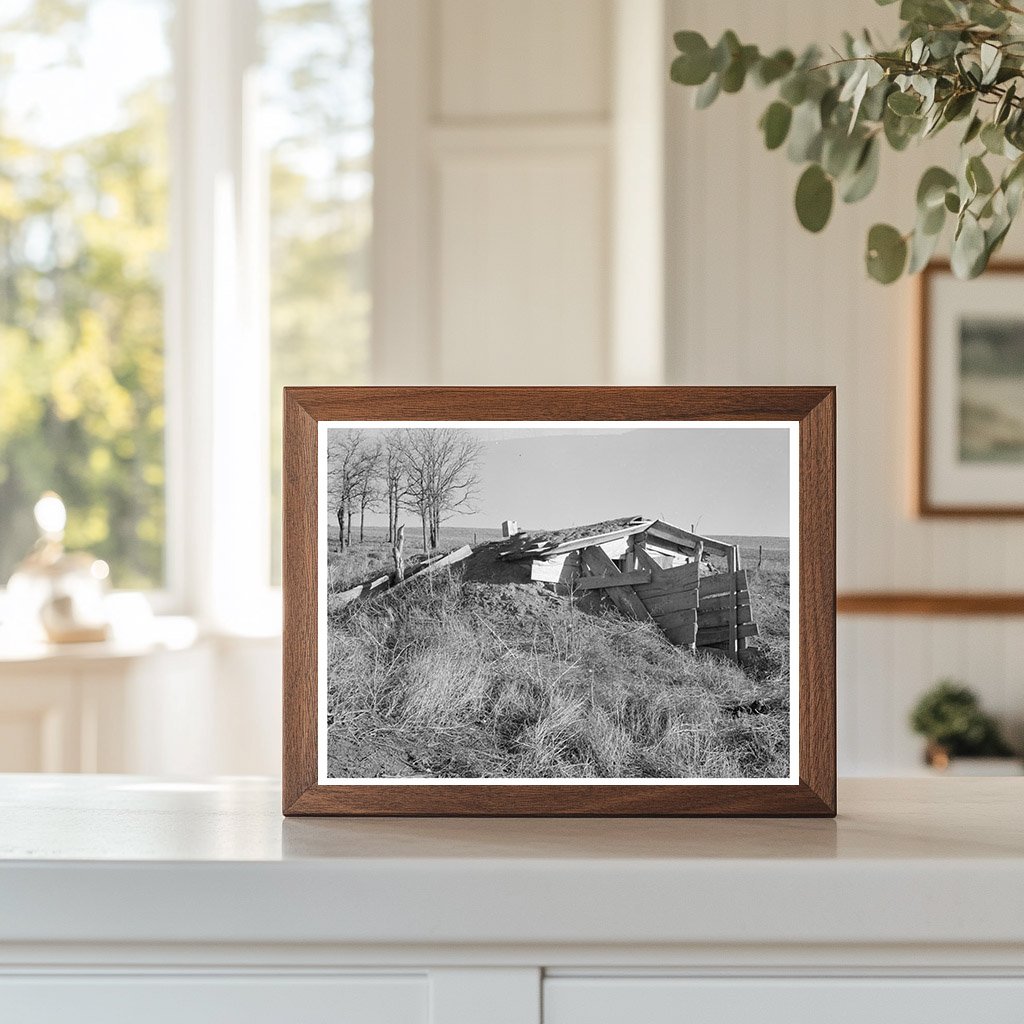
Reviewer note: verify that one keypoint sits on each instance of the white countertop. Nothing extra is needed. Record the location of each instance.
(119, 859)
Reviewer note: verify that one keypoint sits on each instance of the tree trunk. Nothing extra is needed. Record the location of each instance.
(362, 518)
(396, 553)
(350, 514)
(341, 526)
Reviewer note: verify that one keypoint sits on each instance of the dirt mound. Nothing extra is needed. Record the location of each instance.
(484, 566)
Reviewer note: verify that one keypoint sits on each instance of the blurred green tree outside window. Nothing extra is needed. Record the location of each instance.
(83, 236)
(317, 118)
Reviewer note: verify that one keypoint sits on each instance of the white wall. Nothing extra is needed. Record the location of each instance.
(754, 299)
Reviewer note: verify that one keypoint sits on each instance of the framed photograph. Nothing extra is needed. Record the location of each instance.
(970, 451)
(559, 601)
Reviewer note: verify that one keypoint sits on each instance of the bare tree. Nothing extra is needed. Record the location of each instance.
(393, 477)
(366, 484)
(442, 476)
(348, 457)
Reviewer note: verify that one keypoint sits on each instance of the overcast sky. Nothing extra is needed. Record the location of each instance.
(722, 480)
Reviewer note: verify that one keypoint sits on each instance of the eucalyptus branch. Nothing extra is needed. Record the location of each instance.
(955, 59)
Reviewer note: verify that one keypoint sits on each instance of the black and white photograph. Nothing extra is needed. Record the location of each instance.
(570, 602)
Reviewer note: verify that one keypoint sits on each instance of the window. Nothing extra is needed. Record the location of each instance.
(185, 221)
(317, 116)
(83, 235)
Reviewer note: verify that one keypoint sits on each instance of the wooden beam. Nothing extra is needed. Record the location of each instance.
(363, 590)
(686, 540)
(597, 563)
(929, 603)
(677, 602)
(723, 583)
(706, 619)
(623, 579)
(539, 551)
(723, 634)
(683, 617)
(731, 629)
(450, 559)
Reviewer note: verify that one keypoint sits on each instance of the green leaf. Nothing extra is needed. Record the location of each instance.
(805, 133)
(904, 103)
(814, 195)
(952, 202)
(771, 69)
(993, 138)
(707, 93)
(931, 191)
(693, 65)
(775, 124)
(794, 89)
(987, 15)
(725, 50)
(991, 57)
(978, 176)
(865, 173)
(735, 74)
(969, 253)
(1005, 104)
(922, 247)
(973, 130)
(886, 254)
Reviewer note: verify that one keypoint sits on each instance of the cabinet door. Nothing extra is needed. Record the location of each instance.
(782, 1001)
(202, 999)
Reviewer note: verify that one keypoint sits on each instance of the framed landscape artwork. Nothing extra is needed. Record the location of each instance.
(970, 451)
(559, 601)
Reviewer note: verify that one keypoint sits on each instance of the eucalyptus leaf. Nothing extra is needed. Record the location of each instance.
(707, 93)
(775, 124)
(886, 253)
(903, 103)
(814, 196)
(805, 133)
(922, 247)
(993, 138)
(865, 174)
(978, 176)
(931, 190)
(968, 248)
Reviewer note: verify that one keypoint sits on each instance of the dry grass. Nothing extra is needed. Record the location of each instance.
(445, 678)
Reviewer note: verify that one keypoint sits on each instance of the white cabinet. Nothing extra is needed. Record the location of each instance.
(127, 899)
(651, 1000)
(203, 999)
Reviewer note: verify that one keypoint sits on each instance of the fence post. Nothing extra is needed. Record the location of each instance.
(734, 567)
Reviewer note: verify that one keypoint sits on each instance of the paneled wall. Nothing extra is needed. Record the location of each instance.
(502, 137)
(753, 299)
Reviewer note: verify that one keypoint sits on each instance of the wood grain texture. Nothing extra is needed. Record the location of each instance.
(925, 603)
(925, 506)
(812, 407)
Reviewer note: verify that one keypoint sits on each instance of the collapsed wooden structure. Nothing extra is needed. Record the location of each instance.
(391, 581)
(651, 571)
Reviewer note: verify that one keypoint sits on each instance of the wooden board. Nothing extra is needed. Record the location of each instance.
(720, 634)
(723, 616)
(445, 560)
(717, 602)
(681, 635)
(363, 590)
(596, 562)
(575, 545)
(723, 583)
(623, 579)
(682, 538)
(687, 616)
(676, 602)
(561, 569)
(646, 561)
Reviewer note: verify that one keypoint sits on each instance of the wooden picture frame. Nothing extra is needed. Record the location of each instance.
(808, 413)
(933, 476)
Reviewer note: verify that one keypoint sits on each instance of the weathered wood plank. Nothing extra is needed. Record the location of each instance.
(723, 583)
(684, 539)
(722, 617)
(676, 602)
(596, 562)
(681, 635)
(721, 634)
(451, 558)
(624, 579)
(717, 602)
(684, 617)
(733, 560)
(683, 577)
(645, 561)
(363, 590)
(561, 569)
(578, 544)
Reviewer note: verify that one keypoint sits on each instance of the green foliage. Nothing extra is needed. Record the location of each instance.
(956, 60)
(950, 717)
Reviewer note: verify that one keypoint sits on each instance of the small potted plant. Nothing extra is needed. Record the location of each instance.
(950, 717)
